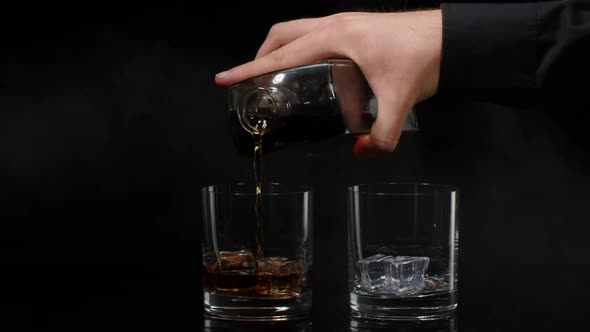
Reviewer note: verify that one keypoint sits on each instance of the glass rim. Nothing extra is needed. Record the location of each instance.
(380, 188)
(286, 188)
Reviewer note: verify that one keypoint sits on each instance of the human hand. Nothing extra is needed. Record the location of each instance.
(399, 54)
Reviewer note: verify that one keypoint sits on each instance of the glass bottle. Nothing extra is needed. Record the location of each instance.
(303, 104)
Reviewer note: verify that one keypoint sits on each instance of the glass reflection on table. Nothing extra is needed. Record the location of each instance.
(439, 325)
(216, 325)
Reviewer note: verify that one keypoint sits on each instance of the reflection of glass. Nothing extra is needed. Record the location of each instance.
(216, 325)
(448, 324)
(403, 248)
(237, 284)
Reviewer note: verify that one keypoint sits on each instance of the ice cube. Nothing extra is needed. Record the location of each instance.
(278, 277)
(407, 274)
(237, 261)
(375, 274)
(277, 265)
(392, 275)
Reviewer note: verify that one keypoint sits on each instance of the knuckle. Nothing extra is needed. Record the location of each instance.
(337, 16)
(343, 15)
(275, 29)
(336, 29)
(345, 25)
(344, 19)
(337, 19)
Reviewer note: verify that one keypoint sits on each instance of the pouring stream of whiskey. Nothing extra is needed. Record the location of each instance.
(258, 181)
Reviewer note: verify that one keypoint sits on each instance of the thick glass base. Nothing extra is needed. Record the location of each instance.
(256, 308)
(430, 306)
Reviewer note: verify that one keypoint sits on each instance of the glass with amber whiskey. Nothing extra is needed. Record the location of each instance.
(257, 251)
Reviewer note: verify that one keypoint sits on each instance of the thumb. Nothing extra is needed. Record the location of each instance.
(386, 130)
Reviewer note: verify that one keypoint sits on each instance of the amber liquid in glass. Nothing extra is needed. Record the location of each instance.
(255, 283)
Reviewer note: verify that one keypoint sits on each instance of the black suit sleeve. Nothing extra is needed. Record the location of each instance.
(515, 50)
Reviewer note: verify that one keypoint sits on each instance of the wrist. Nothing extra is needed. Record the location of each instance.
(432, 38)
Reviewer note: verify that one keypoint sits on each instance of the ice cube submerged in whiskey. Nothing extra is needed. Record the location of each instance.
(237, 273)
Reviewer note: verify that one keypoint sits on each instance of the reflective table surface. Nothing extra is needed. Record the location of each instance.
(167, 298)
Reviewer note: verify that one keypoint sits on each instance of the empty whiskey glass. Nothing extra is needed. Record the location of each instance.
(403, 250)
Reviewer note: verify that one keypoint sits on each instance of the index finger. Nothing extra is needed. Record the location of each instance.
(309, 48)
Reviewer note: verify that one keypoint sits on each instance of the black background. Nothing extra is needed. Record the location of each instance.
(110, 124)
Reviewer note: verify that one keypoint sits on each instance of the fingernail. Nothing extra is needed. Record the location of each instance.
(361, 150)
(222, 74)
(357, 148)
